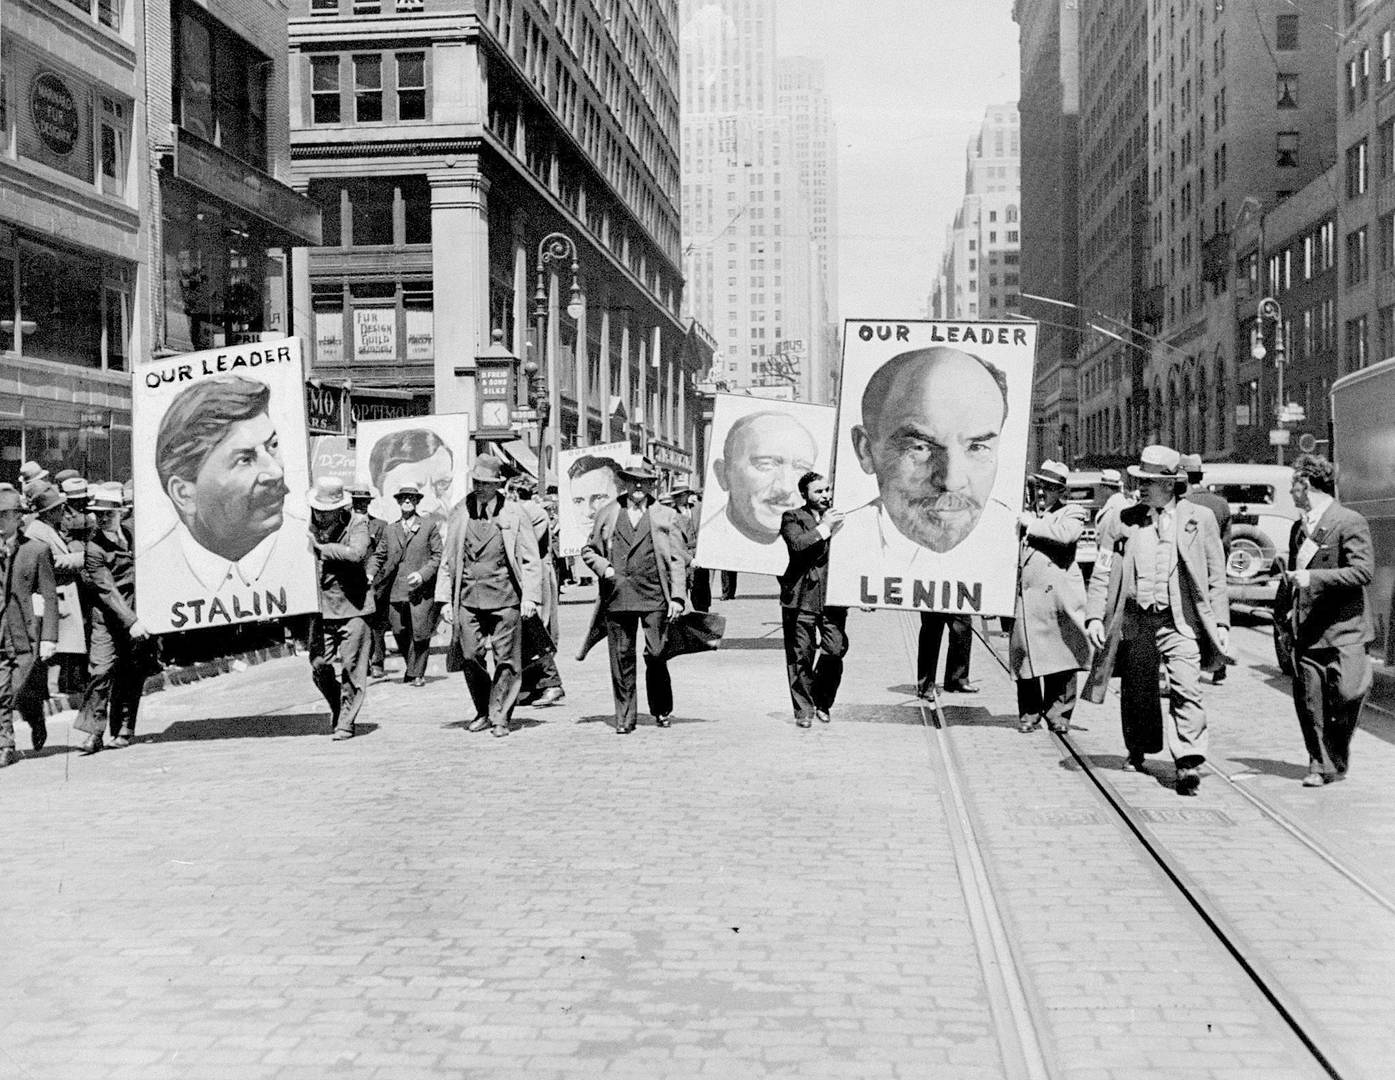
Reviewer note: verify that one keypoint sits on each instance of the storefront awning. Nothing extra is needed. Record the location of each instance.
(518, 452)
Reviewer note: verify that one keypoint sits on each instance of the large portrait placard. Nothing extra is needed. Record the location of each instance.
(587, 482)
(219, 456)
(758, 451)
(932, 453)
(428, 451)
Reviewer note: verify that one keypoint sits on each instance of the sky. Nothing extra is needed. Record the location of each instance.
(909, 82)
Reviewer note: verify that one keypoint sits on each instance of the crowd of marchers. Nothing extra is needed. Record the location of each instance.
(1154, 612)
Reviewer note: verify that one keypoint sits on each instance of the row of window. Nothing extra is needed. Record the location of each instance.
(220, 86)
(1358, 163)
(1358, 72)
(367, 88)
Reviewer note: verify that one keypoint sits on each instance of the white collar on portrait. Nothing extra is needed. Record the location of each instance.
(213, 571)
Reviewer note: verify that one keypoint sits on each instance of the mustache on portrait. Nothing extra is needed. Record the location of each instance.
(948, 502)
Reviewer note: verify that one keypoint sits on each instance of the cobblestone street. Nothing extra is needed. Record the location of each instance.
(237, 896)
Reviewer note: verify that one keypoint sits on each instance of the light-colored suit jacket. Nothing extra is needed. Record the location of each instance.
(1197, 591)
(520, 549)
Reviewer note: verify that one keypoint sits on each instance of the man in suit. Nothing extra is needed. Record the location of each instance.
(699, 578)
(339, 636)
(961, 642)
(1158, 594)
(541, 681)
(1192, 465)
(26, 571)
(1324, 618)
(816, 637)
(49, 512)
(490, 581)
(118, 653)
(637, 552)
(413, 555)
(362, 498)
(1047, 646)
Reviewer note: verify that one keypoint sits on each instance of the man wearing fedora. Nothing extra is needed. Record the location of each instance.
(490, 581)
(339, 635)
(27, 638)
(541, 683)
(409, 575)
(361, 497)
(1048, 646)
(49, 508)
(118, 654)
(1159, 593)
(637, 553)
(1322, 617)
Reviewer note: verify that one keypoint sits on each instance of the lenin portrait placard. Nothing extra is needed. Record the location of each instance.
(219, 456)
(932, 453)
(758, 451)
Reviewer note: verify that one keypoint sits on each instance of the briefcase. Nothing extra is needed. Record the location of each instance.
(692, 632)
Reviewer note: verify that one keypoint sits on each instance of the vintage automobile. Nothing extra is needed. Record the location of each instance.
(1262, 513)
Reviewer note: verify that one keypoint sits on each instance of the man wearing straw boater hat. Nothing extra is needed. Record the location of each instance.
(1048, 644)
(637, 552)
(490, 581)
(339, 635)
(1159, 593)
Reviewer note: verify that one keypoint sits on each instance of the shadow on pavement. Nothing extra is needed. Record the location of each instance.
(753, 643)
(1285, 769)
(250, 727)
(1379, 724)
(645, 719)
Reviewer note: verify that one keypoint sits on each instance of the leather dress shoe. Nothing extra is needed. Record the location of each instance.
(802, 721)
(1058, 729)
(9, 756)
(823, 716)
(120, 742)
(1188, 780)
(1317, 779)
(961, 688)
(38, 734)
(663, 721)
(1133, 764)
(419, 681)
(90, 745)
(500, 730)
(1028, 725)
(624, 729)
(551, 696)
(479, 723)
(341, 735)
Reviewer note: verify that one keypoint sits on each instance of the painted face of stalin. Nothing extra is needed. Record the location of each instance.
(932, 443)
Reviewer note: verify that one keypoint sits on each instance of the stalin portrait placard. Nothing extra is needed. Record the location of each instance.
(932, 452)
(219, 458)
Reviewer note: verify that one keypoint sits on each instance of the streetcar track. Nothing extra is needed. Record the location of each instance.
(1309, 1033)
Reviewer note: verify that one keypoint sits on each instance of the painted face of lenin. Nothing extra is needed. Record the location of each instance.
(931, 423)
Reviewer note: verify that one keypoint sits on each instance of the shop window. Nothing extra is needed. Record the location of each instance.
(60, 293)
(220, 87)
(368, 89)
(324, 89)
(411, 86)
(8, 309)
(115, 138)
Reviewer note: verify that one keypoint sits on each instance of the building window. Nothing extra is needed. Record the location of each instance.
(411, 86)
(1358, 79)
(115, 136)
(1357, 354)
(1356, 170)
(1286, 32)
(1387, 149)
(368, 88)
(323, 8)
(1286, 150)
(220, 87)
(1287, 91)
(1358, 265)
(324, 89)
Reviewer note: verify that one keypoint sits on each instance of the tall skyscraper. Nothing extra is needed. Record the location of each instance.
(980, 268)
(803, 98)
(747, 245)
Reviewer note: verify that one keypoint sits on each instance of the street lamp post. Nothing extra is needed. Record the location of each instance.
(555, 250)
(1268, 308)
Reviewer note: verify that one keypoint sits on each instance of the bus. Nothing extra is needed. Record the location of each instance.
(1363, 435)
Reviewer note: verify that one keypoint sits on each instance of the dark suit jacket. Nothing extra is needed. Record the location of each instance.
(1333, 610)
(346, 564)
(418, 553)
(109, 578)
(29, 571)
(670, 551)
(377, 545)
(805, 579)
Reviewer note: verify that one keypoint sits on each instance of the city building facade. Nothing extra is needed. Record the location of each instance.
(500, 165)
(1049, 111)
(74, 276)
(1365, 150)
(748, 245)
